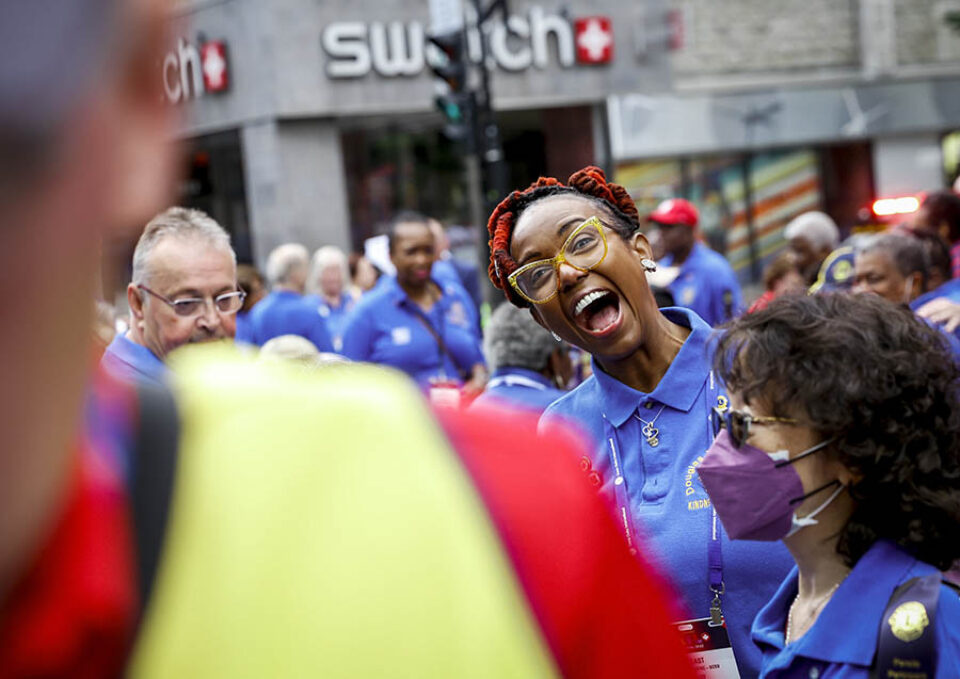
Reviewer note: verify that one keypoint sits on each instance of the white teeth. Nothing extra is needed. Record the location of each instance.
(587, 299)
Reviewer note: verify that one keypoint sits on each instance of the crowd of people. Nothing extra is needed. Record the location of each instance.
(236, 487)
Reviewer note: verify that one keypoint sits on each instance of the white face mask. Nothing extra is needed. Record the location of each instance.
(908, 291)
(799, 522)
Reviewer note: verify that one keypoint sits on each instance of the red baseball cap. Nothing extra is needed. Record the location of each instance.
(675, 211)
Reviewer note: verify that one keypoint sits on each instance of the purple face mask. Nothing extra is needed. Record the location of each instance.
(754, 492)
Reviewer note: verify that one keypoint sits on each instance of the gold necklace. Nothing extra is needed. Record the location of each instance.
(788, 637)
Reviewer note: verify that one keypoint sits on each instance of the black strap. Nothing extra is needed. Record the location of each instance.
(906, 645)
(464, 375)
(153, 468)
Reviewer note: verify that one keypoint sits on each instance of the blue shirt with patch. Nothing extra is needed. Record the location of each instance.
(284, 312)
(334, 315)
(668, 505)
(386, 327)
(843, 641)
(126, 360)
(519, 388)
(707, 285)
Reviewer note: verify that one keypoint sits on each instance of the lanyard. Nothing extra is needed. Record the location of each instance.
(624, 515)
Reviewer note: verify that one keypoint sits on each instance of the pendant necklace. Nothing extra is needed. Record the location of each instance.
(788, 635)
(651, 433)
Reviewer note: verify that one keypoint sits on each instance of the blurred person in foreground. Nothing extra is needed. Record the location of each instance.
(705, 282)
(530, 368)
(843, 441)
(812, 236)
(251, 282)
(451, 562)
(285, 311)
(329, 290)
(781, 277)
(572, 254)
(416, 324)
(183, 290)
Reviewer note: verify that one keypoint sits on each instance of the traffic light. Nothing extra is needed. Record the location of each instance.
(456, 103)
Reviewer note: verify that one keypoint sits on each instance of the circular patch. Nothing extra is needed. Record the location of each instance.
(908, 621)
(842, 270)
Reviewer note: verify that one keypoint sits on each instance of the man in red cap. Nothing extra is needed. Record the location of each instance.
(706, 282)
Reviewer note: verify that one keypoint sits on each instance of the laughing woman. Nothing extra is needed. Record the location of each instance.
(573, 254)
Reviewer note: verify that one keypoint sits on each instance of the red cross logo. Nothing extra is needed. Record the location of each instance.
(594, 38)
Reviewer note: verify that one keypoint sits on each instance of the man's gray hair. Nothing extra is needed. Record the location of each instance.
(514, 339)
(177, 222)
(284, 260)
(906, 252)
(816, 227)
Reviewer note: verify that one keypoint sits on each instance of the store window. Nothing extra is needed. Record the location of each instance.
(214, 183)
(745, 200)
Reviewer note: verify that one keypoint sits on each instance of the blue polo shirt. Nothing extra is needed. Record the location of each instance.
(284, 312)
(385, 328)
(950, 290)
(444, 272)
(707, 285)
(843, 641)
(126, 360)
(334, 315)
(519, 388)
(668, 505)
(244, 332)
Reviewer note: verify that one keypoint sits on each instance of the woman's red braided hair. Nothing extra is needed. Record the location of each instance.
(590, 181)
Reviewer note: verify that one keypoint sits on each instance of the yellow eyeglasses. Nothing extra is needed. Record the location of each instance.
(539, 281)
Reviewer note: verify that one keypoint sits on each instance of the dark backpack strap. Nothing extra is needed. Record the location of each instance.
(153, 468)
(906, 645)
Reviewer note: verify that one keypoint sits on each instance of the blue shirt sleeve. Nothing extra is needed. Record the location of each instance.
(727, 299)
(358, 335)
(318, 334)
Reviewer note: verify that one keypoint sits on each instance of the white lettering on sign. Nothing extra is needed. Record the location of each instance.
(398, 49)
(189, 72)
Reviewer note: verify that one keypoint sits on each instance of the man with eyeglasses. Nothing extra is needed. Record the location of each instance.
(183, 290)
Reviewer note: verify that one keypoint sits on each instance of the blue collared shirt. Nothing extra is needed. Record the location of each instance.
(444, 272)
(707, 285)
(284, 312)
(519, 388)
(951, 291)
(384, 328)
(334, 315)
(842, 642)
(132, 362)
(244, 332)
(667, 501)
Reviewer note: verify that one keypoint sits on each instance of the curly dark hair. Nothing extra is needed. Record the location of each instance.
(589, 183)
(869, 373)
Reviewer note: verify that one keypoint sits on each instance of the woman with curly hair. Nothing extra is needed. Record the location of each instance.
(574, 255)
(843, 440)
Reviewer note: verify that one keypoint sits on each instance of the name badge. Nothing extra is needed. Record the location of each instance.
(709, 647)
(400, 336)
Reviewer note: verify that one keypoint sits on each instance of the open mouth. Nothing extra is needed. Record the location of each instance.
(597, 312)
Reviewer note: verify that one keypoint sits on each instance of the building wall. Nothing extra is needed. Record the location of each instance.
(749, 36)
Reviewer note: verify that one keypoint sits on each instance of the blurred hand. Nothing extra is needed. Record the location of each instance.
(942, 312)
(474, 386)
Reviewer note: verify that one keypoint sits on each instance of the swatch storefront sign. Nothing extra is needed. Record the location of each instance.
(536, 39)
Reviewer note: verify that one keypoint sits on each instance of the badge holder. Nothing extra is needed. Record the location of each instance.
(708, 645)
